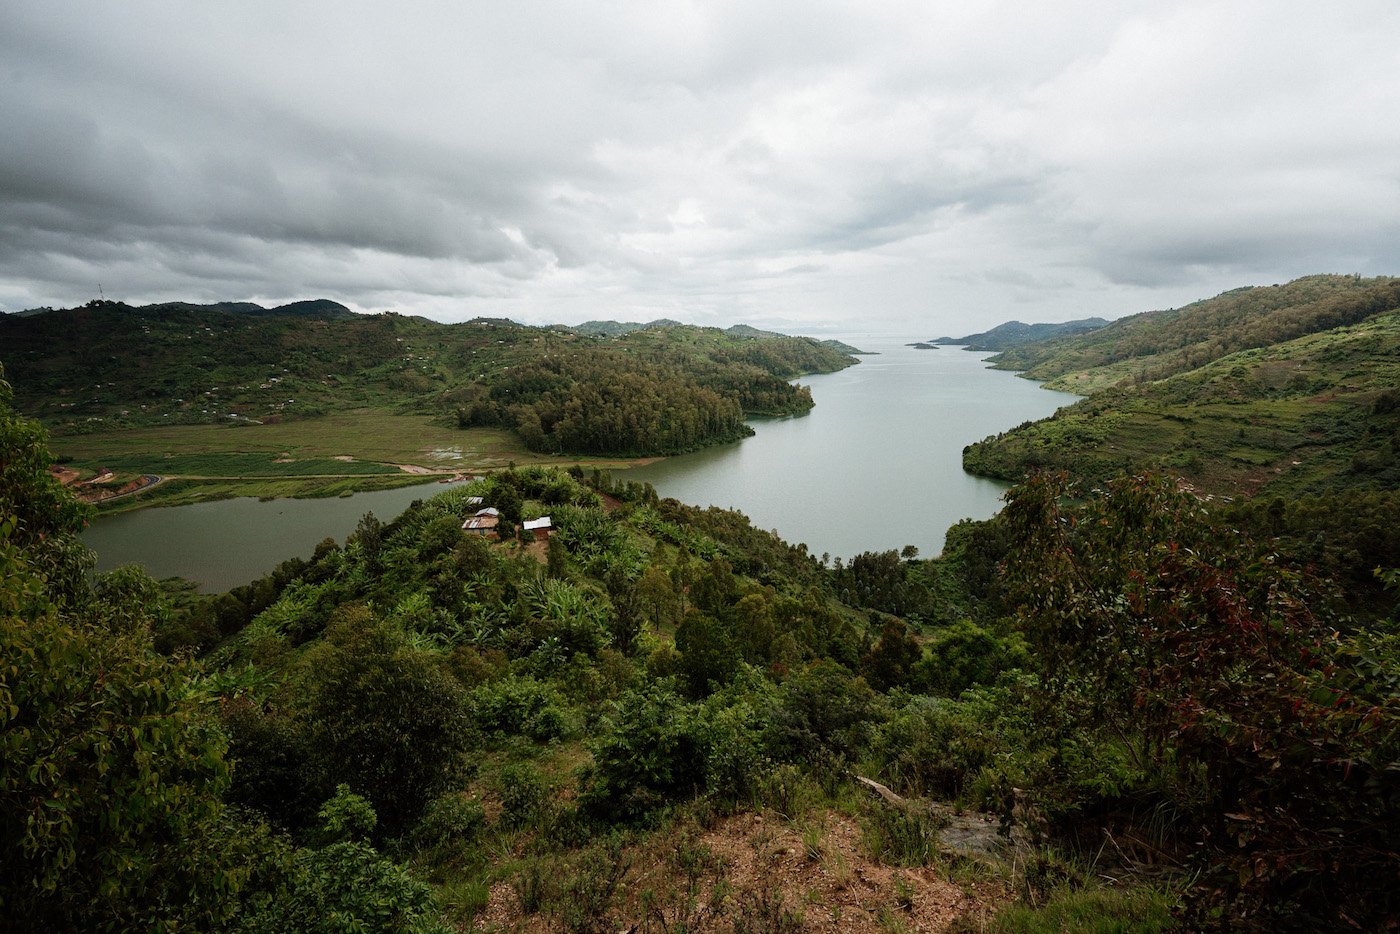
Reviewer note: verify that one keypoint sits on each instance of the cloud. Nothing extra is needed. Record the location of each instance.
(892, 164)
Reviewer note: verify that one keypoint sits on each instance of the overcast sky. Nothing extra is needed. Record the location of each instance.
(920, 168)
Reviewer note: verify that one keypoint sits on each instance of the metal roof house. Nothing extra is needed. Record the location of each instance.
(541, 526)
(483, 522)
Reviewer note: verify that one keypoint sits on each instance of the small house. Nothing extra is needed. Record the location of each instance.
(541, 527)
(483, 523)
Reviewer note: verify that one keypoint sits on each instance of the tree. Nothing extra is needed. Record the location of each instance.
(369, 533)
(343, 885)
(707, 652)
(714, 589)
(556, 558)
(658, 597)
(111, 764)
(385, 719)
(1214, 660)
(47, 517)
(822, 716)
(753, 628)
(890, 662)
(963, 655)
(28, 492)
(654, 749)
(506, 498)
(111, 771)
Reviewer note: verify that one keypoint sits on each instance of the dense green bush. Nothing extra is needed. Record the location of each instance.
(938, 747)
(892, 660)
(385, 718)
(512, 705)
(821, 717)
(341, 888)
(964, 655)
(653, 751)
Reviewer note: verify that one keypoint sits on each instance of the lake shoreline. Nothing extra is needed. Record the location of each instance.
(875, 465)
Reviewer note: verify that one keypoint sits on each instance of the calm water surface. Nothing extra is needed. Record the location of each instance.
(230, 542)
(876, 465)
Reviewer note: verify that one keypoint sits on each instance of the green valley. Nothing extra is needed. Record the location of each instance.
(130, 388)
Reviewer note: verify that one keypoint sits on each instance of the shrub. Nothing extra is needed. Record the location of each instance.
(525, 795)
(936, 747)
(511, 704)
(450, 821)
(386, 719)
(903, 834)
(822, 716)
(339, 888)
(652, 752)
(965, 655)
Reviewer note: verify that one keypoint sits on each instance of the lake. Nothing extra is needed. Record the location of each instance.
(229, 542)
(876, 465)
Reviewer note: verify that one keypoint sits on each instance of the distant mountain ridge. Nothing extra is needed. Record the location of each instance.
(318, 308)
(616, 328)
(1157, 344)
(619, 328)
(324, 309)
(1015, 333)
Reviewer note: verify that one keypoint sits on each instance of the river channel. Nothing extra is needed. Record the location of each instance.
(876, 465)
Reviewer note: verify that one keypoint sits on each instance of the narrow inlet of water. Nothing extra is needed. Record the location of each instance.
(877, 464)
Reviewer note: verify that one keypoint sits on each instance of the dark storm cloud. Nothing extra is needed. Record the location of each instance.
(775, 161)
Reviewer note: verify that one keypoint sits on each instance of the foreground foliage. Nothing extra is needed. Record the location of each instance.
(420, 727)
(1278, 735)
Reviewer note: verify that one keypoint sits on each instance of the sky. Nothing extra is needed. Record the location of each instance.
(920, 168)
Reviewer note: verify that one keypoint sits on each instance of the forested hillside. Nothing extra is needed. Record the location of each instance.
(107, 367)
(1015, 334)
(1158, 344)
(653, 719)
(1299, 433)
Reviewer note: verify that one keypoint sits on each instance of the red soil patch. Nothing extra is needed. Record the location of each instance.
(760, 871)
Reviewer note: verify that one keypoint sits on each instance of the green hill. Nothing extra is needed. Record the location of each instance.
(1015, 334)
(1157, 344)
(107, 367)
(319, 308)
(1300, 430)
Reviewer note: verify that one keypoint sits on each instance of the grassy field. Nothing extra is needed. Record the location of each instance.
(366, 435)
(328, 456)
